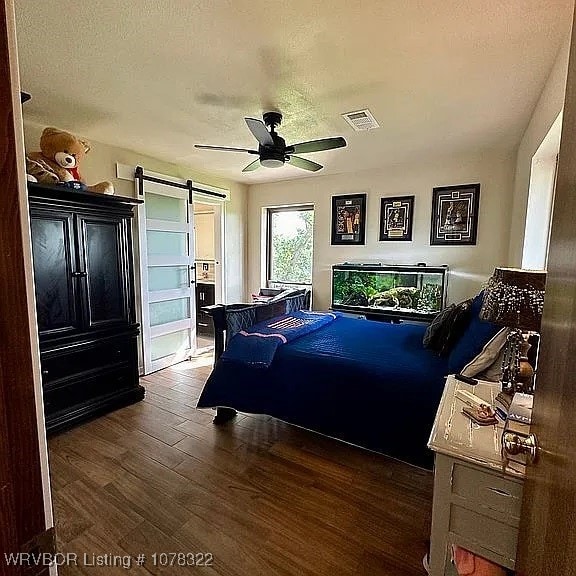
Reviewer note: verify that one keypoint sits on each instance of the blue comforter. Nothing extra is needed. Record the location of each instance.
(369, 383)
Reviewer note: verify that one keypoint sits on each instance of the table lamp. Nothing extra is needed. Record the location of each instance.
(515, 298)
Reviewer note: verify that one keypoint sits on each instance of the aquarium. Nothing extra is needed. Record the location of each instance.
(401, 292)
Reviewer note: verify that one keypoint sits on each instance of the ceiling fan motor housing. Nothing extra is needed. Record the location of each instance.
(273, 156)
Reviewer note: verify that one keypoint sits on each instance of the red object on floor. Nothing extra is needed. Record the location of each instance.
(468, 564)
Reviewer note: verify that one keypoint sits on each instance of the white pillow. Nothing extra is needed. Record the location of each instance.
(494, 372)
(487, 356)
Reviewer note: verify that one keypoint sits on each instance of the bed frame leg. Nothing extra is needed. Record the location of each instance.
(223, 415)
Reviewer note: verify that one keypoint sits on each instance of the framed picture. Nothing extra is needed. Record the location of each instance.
(396, 216)
(349, 219)
(455, 215)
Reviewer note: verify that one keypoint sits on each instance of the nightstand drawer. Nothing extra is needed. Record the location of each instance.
(488, 492)
(478, 533)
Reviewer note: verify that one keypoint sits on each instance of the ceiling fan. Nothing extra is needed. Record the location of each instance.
(272, 150)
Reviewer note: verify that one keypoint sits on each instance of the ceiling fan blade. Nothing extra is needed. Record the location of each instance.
(317, 145)
(225, 148)
(258, 128)
(304, 164)
(252, 166)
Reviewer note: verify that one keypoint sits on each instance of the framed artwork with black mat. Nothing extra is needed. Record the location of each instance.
(349, 219)
(396, 216)
(455, 215)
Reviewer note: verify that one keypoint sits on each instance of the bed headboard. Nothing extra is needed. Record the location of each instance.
(232, 318)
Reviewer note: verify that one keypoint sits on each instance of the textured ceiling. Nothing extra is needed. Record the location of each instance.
(158, 76)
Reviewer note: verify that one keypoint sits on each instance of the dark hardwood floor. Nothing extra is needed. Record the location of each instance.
(260, 496)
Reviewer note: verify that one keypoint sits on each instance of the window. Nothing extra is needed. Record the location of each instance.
(289, 246)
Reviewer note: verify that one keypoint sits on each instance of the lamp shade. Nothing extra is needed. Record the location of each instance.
(515, 298)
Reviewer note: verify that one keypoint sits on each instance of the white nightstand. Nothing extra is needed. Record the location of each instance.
(477, 499)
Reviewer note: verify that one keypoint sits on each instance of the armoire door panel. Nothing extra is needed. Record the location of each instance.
(54, 272)
(104, 261)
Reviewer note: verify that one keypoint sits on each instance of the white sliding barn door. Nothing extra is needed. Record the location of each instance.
(167, 270)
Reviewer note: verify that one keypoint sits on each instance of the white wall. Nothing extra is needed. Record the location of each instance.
(470, 265)
(545, 113)
(204, 235)
(100, 164)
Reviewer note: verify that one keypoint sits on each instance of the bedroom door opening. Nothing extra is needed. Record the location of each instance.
(208, 243)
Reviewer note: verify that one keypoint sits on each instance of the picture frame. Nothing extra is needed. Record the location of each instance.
(455, 215)
(349, 219)
(396, 218)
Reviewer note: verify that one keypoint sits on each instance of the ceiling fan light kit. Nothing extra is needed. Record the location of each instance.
(272, 150)
(271, 163)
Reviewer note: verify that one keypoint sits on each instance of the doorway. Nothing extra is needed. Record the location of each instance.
(207, 245)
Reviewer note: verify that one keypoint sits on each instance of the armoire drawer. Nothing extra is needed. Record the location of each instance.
(83, 390)
(58, 367)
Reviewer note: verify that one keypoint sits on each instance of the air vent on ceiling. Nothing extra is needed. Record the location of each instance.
(361, 120)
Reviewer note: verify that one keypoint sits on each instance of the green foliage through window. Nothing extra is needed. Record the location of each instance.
(291, 243)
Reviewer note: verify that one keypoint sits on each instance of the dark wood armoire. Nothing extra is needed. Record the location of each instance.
(84, 280)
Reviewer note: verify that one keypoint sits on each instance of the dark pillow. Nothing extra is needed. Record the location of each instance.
(436, 333)
(458, 326)
(270, 310)
(475, 336)
(447, 327)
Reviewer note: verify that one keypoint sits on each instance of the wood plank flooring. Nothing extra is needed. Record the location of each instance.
(263, 497)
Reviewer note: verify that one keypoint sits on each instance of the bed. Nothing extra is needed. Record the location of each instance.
(369, 383)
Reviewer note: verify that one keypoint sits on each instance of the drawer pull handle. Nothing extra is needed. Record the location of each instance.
(500, 492)
(44, 372)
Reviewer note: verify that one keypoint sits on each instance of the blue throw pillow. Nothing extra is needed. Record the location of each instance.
(476, 335)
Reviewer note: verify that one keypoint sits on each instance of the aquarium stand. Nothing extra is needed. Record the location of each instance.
(389, 293)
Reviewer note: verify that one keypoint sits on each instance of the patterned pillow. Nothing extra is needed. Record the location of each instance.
(298, 302)
(242, 316)
(239, 317)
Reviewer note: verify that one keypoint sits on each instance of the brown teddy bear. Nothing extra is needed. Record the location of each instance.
(60, 159)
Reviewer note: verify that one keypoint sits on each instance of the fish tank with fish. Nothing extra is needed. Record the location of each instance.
(387, 292)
